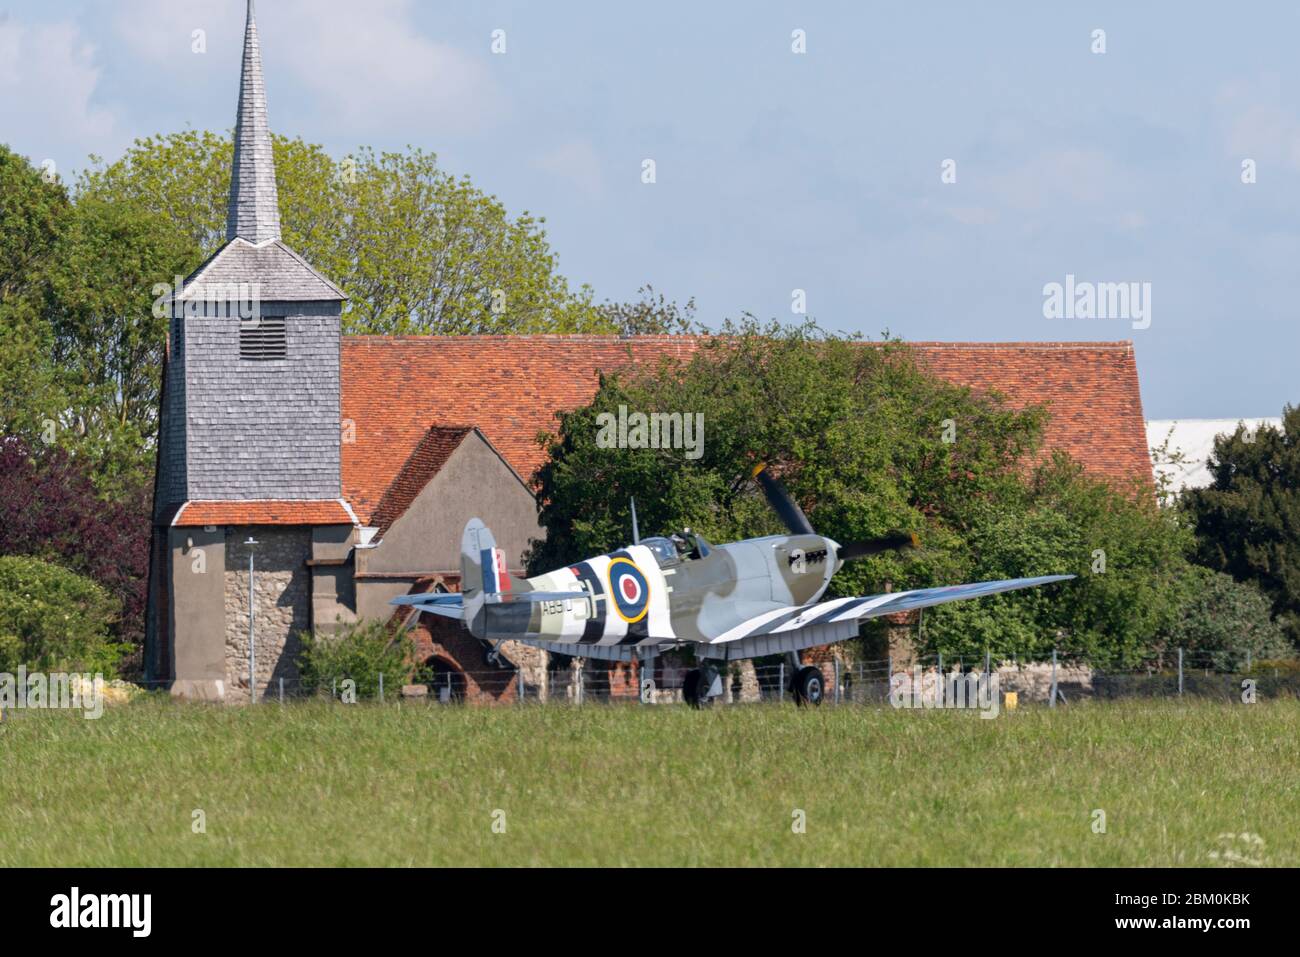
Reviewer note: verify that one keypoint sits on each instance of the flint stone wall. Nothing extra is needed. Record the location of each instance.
(282, 603)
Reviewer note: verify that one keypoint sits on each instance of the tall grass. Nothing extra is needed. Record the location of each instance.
(315, 783)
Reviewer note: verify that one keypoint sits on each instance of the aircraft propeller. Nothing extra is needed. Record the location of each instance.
(785, 507)
(797, 522)
(875, 546)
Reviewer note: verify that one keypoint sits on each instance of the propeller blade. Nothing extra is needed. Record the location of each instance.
(875, 546)
(784, 506)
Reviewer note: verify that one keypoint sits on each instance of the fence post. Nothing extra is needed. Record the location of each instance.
(520, 679)
(334, 689)
(837, 680)
(582, 671)
(1051, 701)
(281, 689)
(381, 687)
(938, 685)
(1180, 671)
(780, 683)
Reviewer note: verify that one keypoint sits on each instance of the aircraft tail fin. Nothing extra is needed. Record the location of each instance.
(483, 567)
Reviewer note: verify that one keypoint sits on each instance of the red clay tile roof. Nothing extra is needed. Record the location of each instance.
(264, 512)
(431, 453)
(396, 388)
(1090, 389)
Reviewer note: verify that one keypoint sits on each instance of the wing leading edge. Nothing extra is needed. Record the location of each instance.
(839, 610)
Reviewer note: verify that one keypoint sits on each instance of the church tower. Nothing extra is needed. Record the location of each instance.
(255, 336)
(249, 432)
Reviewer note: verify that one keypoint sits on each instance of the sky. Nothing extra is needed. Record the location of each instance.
(929, 169)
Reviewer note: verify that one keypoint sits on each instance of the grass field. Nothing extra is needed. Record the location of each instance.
(321, 784)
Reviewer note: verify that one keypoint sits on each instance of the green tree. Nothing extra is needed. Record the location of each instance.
(650, 314)
(1247, 522)
(869, 443)
(107, 339)
(418, 250)
(33, 216)
(1129, 556)
(52, 619)
(1223, 622)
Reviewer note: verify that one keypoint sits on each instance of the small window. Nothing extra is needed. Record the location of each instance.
(262, 339)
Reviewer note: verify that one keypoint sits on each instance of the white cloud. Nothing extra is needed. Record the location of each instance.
(366, 65)
(374, 70)
(577, 163)
(1265, 132)
(48, 81)
(1256, 124)
(1083, 176)
(161, 31)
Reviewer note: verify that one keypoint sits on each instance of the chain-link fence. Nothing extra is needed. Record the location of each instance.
(921, 681)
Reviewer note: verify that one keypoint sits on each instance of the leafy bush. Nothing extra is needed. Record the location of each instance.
(52, 619)
(1222, 621)
(1127, 553)
(362, 652)
(50, 509)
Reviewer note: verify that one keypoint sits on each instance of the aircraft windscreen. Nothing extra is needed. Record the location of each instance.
(664, 552)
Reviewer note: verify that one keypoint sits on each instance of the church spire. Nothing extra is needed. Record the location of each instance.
(254, 211)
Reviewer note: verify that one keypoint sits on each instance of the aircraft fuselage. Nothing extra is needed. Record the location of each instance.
(650, 594)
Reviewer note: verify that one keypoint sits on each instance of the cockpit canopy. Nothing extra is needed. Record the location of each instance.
(662, 549)
(682, 546)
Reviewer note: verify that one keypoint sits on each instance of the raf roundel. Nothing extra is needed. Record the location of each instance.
(630, 589)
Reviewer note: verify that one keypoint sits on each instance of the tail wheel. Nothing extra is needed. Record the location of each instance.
(809, 686)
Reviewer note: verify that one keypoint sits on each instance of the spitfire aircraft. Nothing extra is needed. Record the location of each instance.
(745, 599)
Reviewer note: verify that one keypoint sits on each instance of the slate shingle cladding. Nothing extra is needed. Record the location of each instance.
(254, 210)
(271, 272)
(262, 429)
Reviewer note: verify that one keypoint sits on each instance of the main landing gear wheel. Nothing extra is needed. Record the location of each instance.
(808, 686)
(696, 685)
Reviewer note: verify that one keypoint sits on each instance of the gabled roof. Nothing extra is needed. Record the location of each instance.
(510, 387)
(265, 512)
(430, 455)
(280, 275)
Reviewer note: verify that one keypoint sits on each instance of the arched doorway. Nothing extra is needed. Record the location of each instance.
(446, 682)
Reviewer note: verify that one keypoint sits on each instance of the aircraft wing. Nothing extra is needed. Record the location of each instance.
(843, 610)
(439, 603)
